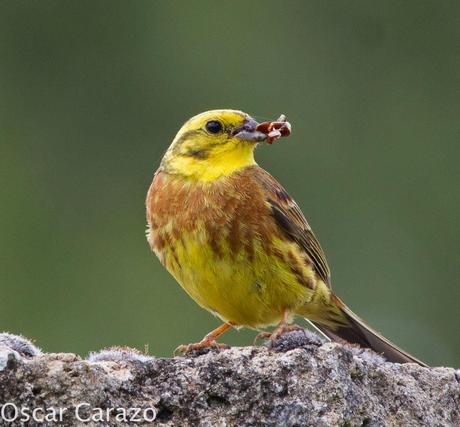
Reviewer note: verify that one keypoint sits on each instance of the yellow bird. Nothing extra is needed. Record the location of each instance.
(235, 240)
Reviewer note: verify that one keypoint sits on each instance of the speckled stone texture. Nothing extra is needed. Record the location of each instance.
(301, 381)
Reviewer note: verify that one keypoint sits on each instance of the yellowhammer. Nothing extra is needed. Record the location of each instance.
(237, 242)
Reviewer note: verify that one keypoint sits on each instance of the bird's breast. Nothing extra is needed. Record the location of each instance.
(221, 244)
(229, 215)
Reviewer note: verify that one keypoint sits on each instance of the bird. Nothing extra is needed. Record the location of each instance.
(238, 243)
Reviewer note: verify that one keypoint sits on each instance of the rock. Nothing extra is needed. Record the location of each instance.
(300, 381)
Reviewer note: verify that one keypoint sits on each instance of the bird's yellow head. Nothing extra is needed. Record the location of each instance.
(212, 145)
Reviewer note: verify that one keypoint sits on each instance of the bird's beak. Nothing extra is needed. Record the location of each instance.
(248, 131)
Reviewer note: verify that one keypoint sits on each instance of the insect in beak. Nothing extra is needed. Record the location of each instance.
(275, 129)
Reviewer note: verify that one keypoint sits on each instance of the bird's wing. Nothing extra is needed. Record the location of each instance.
(291, 220)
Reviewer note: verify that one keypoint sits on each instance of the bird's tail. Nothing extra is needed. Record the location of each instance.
(352, 329)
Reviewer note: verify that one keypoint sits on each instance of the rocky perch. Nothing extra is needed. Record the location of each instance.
(300, 381)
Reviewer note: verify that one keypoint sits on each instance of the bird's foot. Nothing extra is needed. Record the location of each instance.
(209, 341)
(281, 329)
(205, 343)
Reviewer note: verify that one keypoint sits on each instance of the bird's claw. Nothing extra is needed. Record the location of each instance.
(277, 332)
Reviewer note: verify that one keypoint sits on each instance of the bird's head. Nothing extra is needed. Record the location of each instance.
(212, 145)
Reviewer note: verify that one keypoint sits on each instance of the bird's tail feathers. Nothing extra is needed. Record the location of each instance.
(353, 330)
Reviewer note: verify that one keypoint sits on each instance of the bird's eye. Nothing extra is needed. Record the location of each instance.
(214, 126)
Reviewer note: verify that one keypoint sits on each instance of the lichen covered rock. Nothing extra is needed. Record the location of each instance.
(300, 381)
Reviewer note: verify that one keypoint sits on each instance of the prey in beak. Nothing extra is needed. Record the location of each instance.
(267, 131)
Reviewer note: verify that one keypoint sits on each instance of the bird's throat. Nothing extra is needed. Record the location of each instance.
(218, 165)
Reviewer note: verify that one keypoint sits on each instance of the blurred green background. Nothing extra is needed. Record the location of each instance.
(92, 93)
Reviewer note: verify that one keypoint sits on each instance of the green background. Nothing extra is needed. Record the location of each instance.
(92, 93)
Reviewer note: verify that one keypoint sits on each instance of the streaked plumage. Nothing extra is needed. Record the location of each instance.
(237, 242)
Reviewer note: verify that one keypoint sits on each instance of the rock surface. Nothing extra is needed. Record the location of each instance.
(301, 381)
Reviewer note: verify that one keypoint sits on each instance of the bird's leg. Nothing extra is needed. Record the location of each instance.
(282, 327)
(208, 341)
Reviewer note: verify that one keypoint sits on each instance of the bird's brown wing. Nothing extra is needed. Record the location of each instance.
(292, 222)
